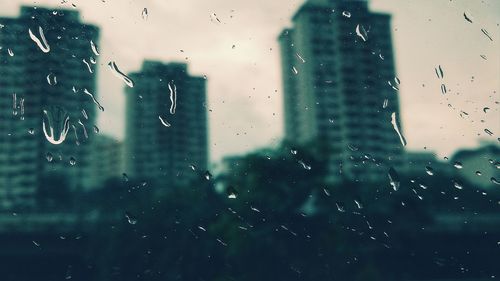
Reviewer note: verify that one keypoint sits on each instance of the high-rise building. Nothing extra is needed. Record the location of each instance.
(48, 103)
(340, 87)
(166, 131)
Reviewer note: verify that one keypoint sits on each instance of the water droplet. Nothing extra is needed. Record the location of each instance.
(361, 32)
(173, 97)
(386, 103)
(131, 219)
(358, 204)
(443, 89)
(346, 14)
(327, 193)
(14, 104)
(55, 124)
(393, 86)
(467, 18)
(294, 70)
(145, 13)
(485, 110)
(304, 165)
(192, 167)
(439, 72)
(42, 44)
(488, 132)
(36, 243)
(207, 175)
(96, 129)
(458, 165)
(300, 58)
(483, 57)
(231, 192)
(10, 52)
(485, 32)
(394, 179)
(85, 91)
(89, 68)
(340, 207)
(478, 173)
(293, 151)
(125, 177)
(31, 131)
(457, 185)
(164, 122)
(93, 46)
(72, 161)
(396, 128)
(52, 79)
(495, 181)
(429, 171)
(114, 68)
(49, 157)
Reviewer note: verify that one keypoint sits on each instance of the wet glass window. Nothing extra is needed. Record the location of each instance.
(250, 140)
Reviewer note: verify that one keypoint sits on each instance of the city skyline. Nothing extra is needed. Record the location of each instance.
(243, 118)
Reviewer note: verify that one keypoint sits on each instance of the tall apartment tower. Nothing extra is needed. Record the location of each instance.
(47, 77)
(340, 87)
(166, 131)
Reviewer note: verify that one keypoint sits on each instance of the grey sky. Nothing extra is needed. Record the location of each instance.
(246, 112)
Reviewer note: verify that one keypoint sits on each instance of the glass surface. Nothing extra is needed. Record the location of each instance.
(250, 140)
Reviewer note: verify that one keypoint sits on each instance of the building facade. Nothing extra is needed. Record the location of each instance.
(166, 131)
(47, 92)
(340, 87)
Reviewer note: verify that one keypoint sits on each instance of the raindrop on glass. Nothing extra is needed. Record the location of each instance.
(55, 124)
(394, 179)
(49, 157)
(231, 192)
(52, 79)
(173, 97)
(85, 91)
(458, 165)
(485, 32)
(396, 128)
(93, 46)
(72, 161)
(131, 219)
(495, 181)
(443, 89)
(439, 72)
(42, 42)
(114, 68)
(304, 165)
(164, 122)
(429, 171)
(467, 18)
(361, 32)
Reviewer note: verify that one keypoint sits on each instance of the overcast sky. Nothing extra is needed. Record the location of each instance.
(246, 112)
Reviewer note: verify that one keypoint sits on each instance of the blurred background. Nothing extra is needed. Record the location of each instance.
(236, 140)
